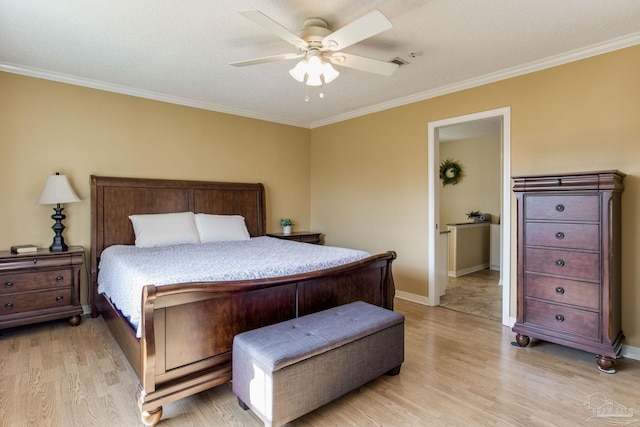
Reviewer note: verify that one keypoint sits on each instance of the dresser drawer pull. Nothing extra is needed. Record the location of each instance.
(59, 278)
(559, 317)
(559, 235)
(560, 207)
(59, 298)
(560, 263)
(8, 305)
(35, 260)
(8, 284)
(559, 290)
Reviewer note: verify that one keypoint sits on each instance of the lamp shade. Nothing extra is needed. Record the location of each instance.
(58, 190)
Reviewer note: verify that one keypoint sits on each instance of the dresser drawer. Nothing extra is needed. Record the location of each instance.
(582, 294)
(579, 265)
(562, 235)
(29, 301)
(19, 282)
(562, 208)
(565, 319)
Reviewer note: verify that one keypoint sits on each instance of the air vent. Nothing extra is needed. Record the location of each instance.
(399, 61)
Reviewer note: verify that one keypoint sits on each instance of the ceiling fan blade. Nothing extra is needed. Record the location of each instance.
(283, 57)
(369, 25)
(271, 25)
(363, 64)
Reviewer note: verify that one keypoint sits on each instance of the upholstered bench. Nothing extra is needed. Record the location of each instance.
(286, 370)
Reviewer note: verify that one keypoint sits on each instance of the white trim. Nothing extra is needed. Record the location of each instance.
(140, 93)
(630, 352)
(627, 351)
(553, 61)
(433, 190)
(465, 271)
(419, 299)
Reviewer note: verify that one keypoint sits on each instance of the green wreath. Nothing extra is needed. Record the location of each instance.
(450, 172)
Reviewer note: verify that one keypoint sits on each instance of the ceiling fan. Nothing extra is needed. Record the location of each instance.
(319, 48)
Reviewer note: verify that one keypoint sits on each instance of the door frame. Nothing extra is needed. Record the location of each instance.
(505, 214)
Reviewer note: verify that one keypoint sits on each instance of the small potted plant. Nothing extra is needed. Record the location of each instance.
(474, 216)
(286, 224)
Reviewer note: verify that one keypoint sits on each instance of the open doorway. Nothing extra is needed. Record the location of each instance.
(468, 123)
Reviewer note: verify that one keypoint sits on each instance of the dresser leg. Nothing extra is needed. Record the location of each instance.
(522, 340)
(605, 364)
(151, 418)
(75, 320)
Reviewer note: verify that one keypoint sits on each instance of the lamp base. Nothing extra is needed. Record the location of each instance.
(58, 244)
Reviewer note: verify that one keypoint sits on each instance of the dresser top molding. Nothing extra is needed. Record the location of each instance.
(597, 180)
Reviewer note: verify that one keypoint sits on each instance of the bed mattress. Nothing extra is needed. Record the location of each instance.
(124, 269)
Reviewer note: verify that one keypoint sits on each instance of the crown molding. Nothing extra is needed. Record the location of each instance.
(565, 58)
(125, 90)
(576, 55)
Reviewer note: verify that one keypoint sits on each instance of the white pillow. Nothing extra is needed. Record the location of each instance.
(164, 229)
(221, 228)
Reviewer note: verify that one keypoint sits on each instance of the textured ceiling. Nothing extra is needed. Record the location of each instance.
(179, 50)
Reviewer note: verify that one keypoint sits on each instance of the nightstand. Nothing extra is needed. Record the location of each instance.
(40, 286)
(298, 236)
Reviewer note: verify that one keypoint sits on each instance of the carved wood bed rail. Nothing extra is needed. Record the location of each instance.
(188, 328)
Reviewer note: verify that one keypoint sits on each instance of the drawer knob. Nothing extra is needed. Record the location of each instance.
(59, 278)
(559, 317)
(559, 290)
(8, 284)
(560, 263)
(8, 305)
(59, 298)
(560, 207)
(559, 235)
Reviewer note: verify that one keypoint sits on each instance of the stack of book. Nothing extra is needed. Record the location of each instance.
(23, 249)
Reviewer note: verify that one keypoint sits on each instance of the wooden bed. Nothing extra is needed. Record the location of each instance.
(188, 328)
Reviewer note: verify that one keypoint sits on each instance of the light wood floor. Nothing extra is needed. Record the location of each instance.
(459, 370)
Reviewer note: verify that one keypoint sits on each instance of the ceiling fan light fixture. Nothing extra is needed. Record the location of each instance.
(313, 71)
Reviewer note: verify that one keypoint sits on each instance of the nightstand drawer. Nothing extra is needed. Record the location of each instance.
(581, 294)
(562, 208)
(560, 318)
(562, 235)
(35, 262)
(306, 239)
(19, 282)
(29, 301)
(298, 236)
(579, 265)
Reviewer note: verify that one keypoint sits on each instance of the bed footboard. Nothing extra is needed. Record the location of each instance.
(188, 329)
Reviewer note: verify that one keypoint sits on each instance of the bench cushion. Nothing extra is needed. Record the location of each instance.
(277, 346)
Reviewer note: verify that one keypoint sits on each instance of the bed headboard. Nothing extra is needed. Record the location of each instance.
(114, 199)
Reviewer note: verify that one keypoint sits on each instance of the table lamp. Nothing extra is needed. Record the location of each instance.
(57, 190)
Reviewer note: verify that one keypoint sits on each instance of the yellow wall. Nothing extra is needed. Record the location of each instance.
(361, 182)
(369, 174)
(481, 183)
(47, 127)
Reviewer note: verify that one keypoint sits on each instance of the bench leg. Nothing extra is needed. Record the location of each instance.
(242, 404)
(394, 371)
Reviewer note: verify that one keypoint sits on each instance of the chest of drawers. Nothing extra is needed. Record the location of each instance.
(569, 262)
(40, 286)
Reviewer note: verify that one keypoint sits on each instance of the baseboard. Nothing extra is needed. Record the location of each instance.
(412, 297)
(458, 273)
(630, 352)
(627, 350)
(86, 309)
